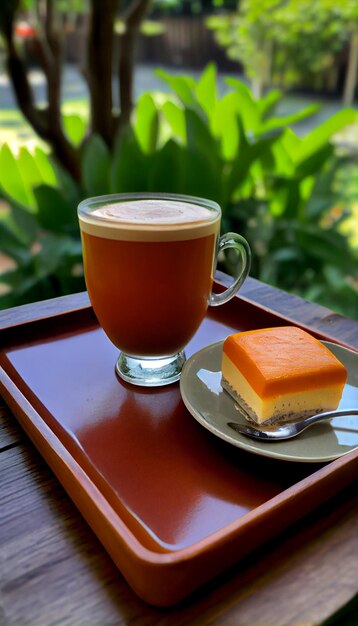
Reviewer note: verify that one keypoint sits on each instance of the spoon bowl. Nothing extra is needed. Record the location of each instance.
(288, 430)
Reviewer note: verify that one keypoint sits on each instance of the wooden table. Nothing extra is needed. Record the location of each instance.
(55, 571)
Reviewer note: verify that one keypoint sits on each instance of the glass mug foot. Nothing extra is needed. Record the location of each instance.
(150, 371)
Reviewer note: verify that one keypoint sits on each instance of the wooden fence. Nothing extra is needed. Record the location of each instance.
(185, 42)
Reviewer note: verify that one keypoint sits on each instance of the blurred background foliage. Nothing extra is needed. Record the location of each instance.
(293, 197)
(293, 43)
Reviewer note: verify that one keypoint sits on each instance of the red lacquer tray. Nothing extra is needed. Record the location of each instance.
(172, 505)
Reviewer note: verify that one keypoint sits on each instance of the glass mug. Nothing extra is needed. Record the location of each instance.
(149, 262)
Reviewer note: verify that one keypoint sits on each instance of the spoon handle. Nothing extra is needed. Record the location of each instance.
(329, 415)
(288, 430)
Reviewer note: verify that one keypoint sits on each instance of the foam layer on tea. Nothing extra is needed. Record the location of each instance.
(150, 220)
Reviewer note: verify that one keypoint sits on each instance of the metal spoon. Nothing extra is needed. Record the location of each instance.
(286, 431)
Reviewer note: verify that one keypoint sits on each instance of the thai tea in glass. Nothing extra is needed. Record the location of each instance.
(149, 262)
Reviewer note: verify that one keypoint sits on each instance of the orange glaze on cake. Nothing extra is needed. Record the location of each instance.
(283, 360)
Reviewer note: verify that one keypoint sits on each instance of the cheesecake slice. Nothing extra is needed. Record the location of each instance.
(281, 374)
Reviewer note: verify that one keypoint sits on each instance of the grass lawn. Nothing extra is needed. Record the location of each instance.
(16, 132)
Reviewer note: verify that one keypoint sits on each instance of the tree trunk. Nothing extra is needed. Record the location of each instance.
(257, 87)
(133, 19)
(99, 67)
(47, 123)
(352, 71)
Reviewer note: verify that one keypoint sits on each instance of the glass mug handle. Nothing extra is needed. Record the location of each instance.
(238, 243)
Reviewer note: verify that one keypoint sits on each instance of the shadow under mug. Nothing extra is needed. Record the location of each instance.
(149, 262)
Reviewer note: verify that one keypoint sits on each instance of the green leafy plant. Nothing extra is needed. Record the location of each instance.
(38, 229)
(291, 43)
(279, 190)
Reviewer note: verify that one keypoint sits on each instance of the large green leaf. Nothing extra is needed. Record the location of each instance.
(292, 199)
(248, 154)
(30, 172)
(11, 179)
(129, 166)
(96, 164)
(146, 125)
(11, 244)
(202, 159)
(289, 120)
(314, 161)
(199, 137)
(182, 86)
(22, 221)
(245, 105)
(55, 213)
(175, 116)
(224, 126)
(68, 186)
(317, 138)
(268, 102)
(284, 165)
(201, 177)
(75, 127)
(165, 169)
(206, 91)
(45, 167)
(291, 142)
